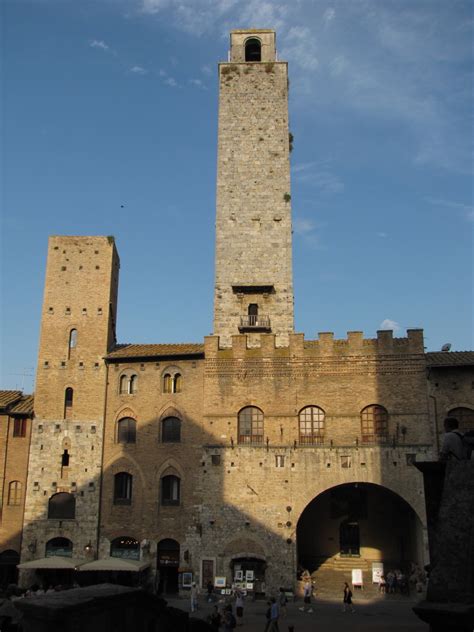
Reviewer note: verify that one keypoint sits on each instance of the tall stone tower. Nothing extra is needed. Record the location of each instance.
(77, 330)
(253, 284)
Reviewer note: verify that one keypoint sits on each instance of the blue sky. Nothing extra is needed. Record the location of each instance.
(113, 103)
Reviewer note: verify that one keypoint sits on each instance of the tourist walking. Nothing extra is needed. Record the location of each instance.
(274, 616)
(307, 592)
(347, 600)
(239, 606)
(282, 601)
(194, 597)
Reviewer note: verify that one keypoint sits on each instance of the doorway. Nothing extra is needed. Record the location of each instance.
(349, 539)
(167, 564)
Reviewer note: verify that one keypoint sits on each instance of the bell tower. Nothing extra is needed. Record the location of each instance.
(253, 283)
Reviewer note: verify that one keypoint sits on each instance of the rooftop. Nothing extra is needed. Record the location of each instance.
(450, 358)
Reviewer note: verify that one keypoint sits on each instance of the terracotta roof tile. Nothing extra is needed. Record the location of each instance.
(9, 397)
(156, 351)
(24, 406)
(450, 358)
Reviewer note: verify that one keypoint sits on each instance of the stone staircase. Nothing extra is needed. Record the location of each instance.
(333, 572)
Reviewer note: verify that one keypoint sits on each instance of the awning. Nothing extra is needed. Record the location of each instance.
(114, 564)
(54, 562)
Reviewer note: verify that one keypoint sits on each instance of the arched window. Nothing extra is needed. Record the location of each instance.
(170, 490)
(172, 383)
(171, 430)
(167, 383)
(68, 402)
(253, 50)
(126, 430)
(374, 424)
(123, 384)
(14, 493)
(72, 342)
(62, 506)
(59, 547)
(250, 425)
(125, 548)
(465, 417)
(311, 425)
(123, 488)
(128, 384)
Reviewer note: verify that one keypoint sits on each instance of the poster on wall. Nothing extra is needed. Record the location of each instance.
(239, 575)
(219, 582)
(377, 572)
(357, 577)
(249, 576)
(187, 580)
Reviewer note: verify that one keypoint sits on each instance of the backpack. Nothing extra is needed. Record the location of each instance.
(467, 441)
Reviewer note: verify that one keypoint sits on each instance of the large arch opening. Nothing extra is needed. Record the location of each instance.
(358, 526)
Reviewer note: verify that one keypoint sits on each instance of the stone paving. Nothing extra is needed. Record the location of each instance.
(384, 615)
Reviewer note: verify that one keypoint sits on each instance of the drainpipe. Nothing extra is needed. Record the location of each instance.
(435, 403)
(101, 477)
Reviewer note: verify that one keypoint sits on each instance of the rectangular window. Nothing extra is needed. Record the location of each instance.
(279, 460)
(216, 459)
(346, 461)
(19, 427)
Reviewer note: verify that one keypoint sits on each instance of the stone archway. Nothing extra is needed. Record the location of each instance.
(356, 525)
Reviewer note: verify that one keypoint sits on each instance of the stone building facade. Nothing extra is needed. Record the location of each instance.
(257, 451)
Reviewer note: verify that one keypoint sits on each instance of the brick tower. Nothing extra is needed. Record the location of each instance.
(77, 330)
(253, 285)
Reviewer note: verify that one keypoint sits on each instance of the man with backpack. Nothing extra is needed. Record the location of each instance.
(456, 445)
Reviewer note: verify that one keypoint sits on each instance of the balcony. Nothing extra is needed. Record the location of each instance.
(255, 322)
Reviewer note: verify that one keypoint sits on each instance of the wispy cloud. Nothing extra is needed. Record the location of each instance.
(206, 70)
(197, 83)
(316, 174)
(307, 229)
(388, 323)
(100, 44)
(382, 235)
(466, 210)
(138, 70)
(171, 81)
(328, 16)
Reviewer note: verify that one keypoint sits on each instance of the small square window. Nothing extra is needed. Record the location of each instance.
(57, 428)
(99, 311)
(68, 310)
(40, 428)
(50, 310)
(411, 459)
(93, 429)
(346, 461)
(63, 268)
(84, 310)
(216, 459)
(97, 267)
(46, 364)
(63, 363)
(78, 428)
(279, 460)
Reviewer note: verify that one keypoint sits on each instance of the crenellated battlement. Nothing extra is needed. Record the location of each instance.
(263, 345)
